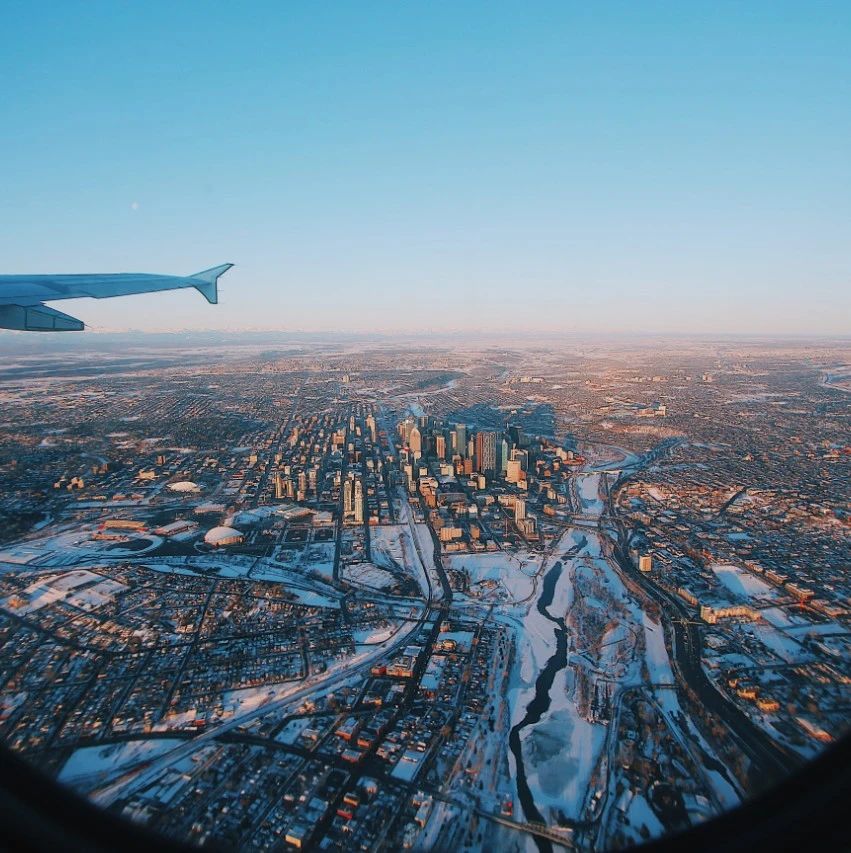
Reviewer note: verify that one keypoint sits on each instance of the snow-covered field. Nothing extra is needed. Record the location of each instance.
(372, 635)
(742, 583)
(368, 574)
(393, 547)
(656, 656)
(318, 558)
(70, 544)
(390, 547)
(19, 555)
(589, 494)
(510, 576)
(787, 648)
(238, 702)
(91, 761)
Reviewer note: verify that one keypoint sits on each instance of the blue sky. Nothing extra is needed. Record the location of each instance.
(569, 166)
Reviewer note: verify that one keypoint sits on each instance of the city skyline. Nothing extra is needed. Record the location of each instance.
(643, 169)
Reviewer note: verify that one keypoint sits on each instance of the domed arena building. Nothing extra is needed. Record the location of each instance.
(218, 537)
(184, 486)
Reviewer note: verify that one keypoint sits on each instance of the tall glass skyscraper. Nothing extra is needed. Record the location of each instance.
(486, 452)
(461, 440)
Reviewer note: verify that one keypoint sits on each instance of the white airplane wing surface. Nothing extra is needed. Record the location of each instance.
(22, 297)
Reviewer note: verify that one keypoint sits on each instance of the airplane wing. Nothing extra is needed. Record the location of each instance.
(22, 297)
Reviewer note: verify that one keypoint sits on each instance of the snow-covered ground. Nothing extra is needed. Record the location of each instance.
(561, 750)
(64, 587)
(742, 583)
(18, 555)
(393, 546)
(372, 635)
(612, 645)
(237, 566)
(509, 575)
(368, 574)
(787, 648)
(319, 558)
(85, 764)
(239, 702)
(656, 655)
(560, 753)
(389, 546)
(70, 544)
(722, 785)
(589, 494)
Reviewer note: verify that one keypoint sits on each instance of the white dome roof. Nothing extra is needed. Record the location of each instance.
(220, 535)
(184, 486)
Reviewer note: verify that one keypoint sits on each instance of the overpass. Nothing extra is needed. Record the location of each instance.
(561, 835)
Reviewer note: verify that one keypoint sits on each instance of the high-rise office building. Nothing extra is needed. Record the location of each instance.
(405, 430)
(440, 446)
(347, 497)
(358, 502)
(486, 452)
(515, 433)
(461, 439)
(519, 509)
(502, 456)
(415, 440)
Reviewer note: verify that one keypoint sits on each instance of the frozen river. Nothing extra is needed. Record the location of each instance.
(540, 704)
(553, 746)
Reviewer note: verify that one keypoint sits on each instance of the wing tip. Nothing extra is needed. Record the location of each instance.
(208, 282)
